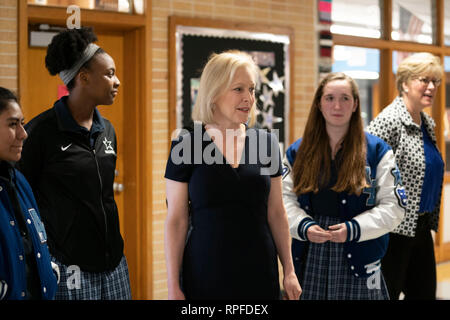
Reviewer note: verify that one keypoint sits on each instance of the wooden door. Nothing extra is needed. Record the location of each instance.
(42, 92)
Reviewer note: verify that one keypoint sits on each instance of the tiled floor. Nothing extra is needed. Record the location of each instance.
(443, 279)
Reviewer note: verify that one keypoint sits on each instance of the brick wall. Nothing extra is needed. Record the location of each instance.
(297, 14)
(8, 44)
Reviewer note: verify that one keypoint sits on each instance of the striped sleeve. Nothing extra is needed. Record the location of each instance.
(353, 231)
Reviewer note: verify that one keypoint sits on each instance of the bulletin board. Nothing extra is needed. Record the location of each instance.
(271, 52)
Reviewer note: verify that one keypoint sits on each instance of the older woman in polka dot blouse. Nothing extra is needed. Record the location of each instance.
(409, 265)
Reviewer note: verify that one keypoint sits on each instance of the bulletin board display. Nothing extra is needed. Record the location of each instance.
(194, 45)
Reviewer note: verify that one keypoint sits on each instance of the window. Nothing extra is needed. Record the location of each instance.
(356, 18)
(397, 57)
(447, 22)
(412, 21)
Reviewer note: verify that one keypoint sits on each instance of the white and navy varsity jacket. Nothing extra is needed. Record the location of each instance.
(369, 217)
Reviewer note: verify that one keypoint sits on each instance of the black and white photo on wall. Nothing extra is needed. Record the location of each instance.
(271, 53)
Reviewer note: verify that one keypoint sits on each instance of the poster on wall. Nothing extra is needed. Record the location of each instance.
(194, 45)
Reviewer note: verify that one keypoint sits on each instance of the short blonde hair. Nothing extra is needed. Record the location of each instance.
(216, 78)
(416, 65)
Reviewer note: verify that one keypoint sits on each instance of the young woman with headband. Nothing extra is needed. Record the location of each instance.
(69, 159)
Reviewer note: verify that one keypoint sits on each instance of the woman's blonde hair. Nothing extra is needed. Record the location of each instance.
(418, 64)
(312, 165)
(216, 78)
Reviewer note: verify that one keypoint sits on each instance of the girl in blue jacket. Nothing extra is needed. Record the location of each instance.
(25, 268)
(343, 195)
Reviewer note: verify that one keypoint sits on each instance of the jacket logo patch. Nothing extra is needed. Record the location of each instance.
(108, 147)
(38, 225)
(399, 190)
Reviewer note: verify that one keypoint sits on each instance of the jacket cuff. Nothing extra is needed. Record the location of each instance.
(353, 231)
(303, 228)
(3, 289)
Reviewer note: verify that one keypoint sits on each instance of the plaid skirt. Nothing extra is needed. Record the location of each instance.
(327, 275)
(75, 284)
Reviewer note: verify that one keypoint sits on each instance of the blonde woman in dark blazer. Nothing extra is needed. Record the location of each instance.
(226, 223)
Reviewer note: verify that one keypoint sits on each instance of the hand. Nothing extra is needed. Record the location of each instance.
(291, 287)
(338, 233)
(176, 294)
(317, 235)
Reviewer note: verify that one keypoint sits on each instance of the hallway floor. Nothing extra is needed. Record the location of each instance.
(443, 281)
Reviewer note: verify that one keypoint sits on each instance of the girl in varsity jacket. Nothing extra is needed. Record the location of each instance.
(343, 195)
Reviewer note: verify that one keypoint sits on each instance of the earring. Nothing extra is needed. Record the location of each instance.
(406, 90)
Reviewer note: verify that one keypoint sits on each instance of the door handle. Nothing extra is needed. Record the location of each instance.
(118, 187)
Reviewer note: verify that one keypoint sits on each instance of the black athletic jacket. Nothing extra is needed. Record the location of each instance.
(71, 172)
